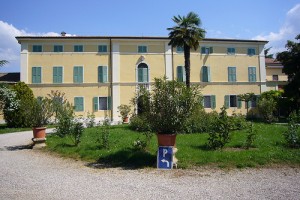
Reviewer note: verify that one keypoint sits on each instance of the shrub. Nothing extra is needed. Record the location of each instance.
(200, 121)
(143, 144)
(139, 123)
(104, 134)
(90, 120)
(220, 130)
(292, 135)
(251, 136)
(65, 119)
(266, 108)
(237, 121)
(16, 112)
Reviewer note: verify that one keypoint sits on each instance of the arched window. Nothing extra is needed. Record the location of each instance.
(143, 73)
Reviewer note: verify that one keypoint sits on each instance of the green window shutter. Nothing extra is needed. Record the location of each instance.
(183, 74)
(109, 103)
(78, 102)
(145, 74)
(231, 74)
(180, 73)
(140, 74)
(203, 50)
(57, 74)
(60, 75)
(204, 74)
(34, 75)
(213, 101)
(227, 99)
(211, 50)
(239, 102)
(95, 104)
(102, 74)
(54, 74)
(78, 74)
(75, 74)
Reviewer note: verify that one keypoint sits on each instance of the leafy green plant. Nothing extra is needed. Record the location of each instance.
(171, 104)
(104, 138)
(16, 112)
(139, 123)
(77, 131)
(266, 108)
(251, 136)
(237, 121)
(124, 110)
(90, 120)
(40, 112)
(220, 130)
(65, 118)
(143, 144)
(292, 135)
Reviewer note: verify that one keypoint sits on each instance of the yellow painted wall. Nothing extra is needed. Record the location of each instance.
(275, 71)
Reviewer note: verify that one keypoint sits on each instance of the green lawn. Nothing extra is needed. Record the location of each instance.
(4, 129)
(269, 148)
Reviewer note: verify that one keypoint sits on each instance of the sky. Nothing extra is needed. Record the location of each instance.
(273, 20)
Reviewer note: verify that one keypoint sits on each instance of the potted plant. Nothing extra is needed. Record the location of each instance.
(40, 113)
(171, 104)
(124, 112)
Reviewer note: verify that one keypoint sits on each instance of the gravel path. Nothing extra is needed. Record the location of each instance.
(32, 174)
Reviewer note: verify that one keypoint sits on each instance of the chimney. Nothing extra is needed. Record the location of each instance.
(63, 33)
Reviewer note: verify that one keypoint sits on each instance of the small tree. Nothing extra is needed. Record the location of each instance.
(19, 116)
(266, 108)
(247, 97)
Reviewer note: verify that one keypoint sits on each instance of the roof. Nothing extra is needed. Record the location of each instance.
(19, 38)
(273, 63)
(11, 77)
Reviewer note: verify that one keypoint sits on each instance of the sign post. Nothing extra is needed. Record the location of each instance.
(165, 157)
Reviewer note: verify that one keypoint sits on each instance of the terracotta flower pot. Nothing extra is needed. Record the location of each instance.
(125, 120)
(166, 139)
(39, 132)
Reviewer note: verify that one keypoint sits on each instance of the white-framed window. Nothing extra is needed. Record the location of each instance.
(143, 73)
(57, 74)
(102, 74)
(36, 75)
(142, 49)
(251, 51)
(181, 75)
(58, 48)
(207, 50)
(78, 74)
(232, 101)
(252, 74)
(209, 101)
(230, 50)
(231, 74)
(102, 48)
(102, 103)
(78, 48)
(37, 48)
(205, 74)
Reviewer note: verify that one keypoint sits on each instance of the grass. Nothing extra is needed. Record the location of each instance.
(4, 129)
(269, 148)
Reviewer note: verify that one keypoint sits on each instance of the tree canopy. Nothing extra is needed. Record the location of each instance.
(290, 60)
(187, 34)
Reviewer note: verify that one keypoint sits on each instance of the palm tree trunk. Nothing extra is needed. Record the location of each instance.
(187, 52)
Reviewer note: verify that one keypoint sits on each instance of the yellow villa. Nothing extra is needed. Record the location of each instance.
(98, 73)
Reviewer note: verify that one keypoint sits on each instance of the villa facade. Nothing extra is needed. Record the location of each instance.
(97, 74)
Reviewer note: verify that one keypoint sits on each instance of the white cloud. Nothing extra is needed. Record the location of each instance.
(289, 30)
(9, 47)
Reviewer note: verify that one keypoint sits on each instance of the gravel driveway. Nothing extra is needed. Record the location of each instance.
(32, 174)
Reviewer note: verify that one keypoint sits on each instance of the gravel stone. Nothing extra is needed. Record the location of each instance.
(33, 174)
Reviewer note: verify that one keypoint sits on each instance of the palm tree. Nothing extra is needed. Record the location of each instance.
(3, 62)
(187, 34)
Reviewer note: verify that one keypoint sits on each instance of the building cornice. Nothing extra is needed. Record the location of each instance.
(22, 38)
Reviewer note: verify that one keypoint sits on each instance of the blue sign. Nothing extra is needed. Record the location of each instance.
(165, 157)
